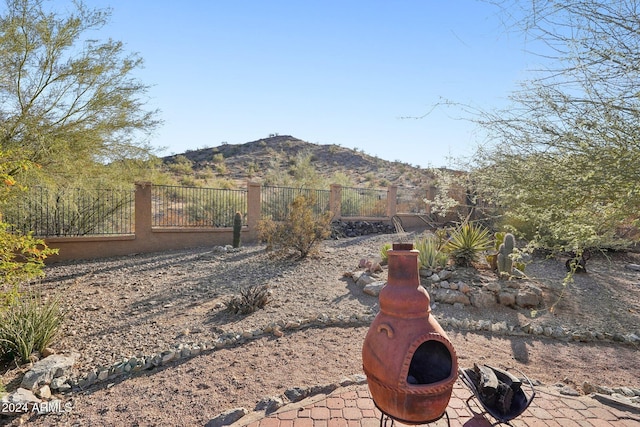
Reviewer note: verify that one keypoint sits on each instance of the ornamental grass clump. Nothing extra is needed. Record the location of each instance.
(251, 299)
(28, 325)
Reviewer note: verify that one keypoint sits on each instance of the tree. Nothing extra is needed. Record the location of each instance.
(565, 153)
(67, 102)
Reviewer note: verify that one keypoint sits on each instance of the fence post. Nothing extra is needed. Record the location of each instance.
(392, 195)
(143, 211)
(335, 201)
(253, 208)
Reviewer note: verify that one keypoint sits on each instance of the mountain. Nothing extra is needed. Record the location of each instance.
(256, 160)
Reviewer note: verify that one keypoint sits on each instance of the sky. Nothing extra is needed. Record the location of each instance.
(356, 73)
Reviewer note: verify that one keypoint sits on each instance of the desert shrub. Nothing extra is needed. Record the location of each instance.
(21, 259)
(181, 165)
(431, 254)
(466, 242)
(300, 232)
(251, 299)
(28, 325)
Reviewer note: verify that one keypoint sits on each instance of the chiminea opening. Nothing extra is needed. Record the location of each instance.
(431, 363)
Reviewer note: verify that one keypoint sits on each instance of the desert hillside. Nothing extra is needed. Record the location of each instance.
(255, 160)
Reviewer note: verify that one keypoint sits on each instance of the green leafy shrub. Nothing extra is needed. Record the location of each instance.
(21, 259)
(431, 254)
(300, 232)
(28, 325)
(467, 242)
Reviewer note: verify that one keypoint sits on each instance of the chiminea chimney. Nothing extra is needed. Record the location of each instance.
(409, 362)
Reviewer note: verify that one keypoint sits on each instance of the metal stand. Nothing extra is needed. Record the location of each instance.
(385, 418)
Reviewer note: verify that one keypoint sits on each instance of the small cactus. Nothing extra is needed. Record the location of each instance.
(237, 228)
(504, 261)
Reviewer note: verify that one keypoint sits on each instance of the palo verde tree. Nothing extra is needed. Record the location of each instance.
(564, 157)
(68, 102)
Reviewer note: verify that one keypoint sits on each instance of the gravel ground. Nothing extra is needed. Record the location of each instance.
(145, 304)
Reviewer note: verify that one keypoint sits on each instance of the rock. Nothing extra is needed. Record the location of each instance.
(634, 267)
(23, 401)
(449, 296)
(57, 383)
(445, 274)
(373, 289)
(365, 279)
(46, 370)
(625, 391)
(269, 404)
(493, 287)
(483, 299)
(425, 272)
(227, 418)
(103, 375)
(567, 391)
(88, 381)
(44, 392)
(507, 298)
(296, 394)
(527, 299)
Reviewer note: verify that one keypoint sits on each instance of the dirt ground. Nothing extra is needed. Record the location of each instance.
(144, 304)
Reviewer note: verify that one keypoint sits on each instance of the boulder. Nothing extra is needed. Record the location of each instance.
(373, 289)
(45, 370)
(449, 296)
(483, 299)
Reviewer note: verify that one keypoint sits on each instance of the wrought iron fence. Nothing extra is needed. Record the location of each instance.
(173, 206)
(367, 202)
(276, 201)
(411, 200)
(67, 212)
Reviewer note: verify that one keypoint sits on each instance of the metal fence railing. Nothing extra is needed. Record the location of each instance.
(367, 202)
(411, 200)
(67, 212)
(276, 201)
(173, 206)
(70, 212)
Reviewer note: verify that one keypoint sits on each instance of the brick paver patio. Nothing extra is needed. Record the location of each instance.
(353, 407)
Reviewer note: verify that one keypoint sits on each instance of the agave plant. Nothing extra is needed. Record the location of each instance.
(384, 257)
(467, 242)
(431, 256)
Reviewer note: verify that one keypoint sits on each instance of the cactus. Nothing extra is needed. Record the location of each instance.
(237, 227)
(504, 261)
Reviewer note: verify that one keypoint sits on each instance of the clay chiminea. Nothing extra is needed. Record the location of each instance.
(409, 362)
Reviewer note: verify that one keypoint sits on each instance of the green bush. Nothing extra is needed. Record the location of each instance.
(21, 259)
(431, 254)
(300, 232)
(28, 325)
(467, 242)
